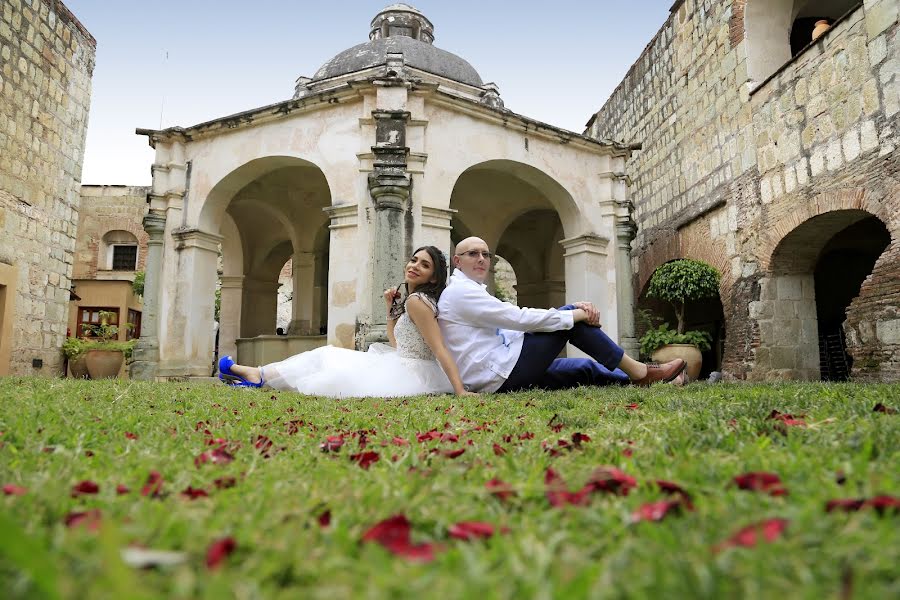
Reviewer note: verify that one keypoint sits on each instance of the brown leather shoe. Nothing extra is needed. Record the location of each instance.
(665, 372)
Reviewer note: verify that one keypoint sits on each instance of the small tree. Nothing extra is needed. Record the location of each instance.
(682, 281)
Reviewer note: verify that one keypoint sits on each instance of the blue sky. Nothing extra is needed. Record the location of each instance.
(183, 62)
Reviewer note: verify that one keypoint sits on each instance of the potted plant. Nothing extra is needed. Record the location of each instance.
(104, 355)
(679, 282)
(74, 350)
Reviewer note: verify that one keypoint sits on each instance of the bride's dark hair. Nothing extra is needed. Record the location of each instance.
(432, 290)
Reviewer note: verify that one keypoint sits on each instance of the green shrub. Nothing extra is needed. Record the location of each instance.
(137, 285)
(682, 281)
(662, 335)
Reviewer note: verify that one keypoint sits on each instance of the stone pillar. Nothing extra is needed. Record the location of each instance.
(260, 307)
(230, 314)
(389, 186)
(320, 293)
(303, 275)
(586, 269)
(625, 304)
(146, 351)
(190, 319)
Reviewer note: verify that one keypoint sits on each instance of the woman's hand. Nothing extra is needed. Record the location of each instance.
(466, 393)
(389, 295)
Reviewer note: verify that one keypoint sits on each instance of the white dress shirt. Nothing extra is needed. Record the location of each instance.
(485, 334)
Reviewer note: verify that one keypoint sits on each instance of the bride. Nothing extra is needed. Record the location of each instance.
(416, 362)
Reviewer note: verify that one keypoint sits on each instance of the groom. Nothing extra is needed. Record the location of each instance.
(500, 347)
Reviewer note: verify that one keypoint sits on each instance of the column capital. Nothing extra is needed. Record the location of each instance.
(154, 225)
(195, 238)
(590, 243)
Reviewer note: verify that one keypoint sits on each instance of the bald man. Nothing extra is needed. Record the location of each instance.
(500, 347)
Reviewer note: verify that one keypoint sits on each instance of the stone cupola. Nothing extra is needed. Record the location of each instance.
(401, 20)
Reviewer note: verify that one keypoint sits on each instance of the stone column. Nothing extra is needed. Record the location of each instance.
(389, 186)
(230, 314)
(625, 304)
(303, 279)
(146, 351)
(585, 264)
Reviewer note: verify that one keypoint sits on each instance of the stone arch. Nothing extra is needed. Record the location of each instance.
(109, 241)
(531, 244)
(767, 27)
(799, 336)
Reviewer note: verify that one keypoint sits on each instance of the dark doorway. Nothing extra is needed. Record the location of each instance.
(844, 263)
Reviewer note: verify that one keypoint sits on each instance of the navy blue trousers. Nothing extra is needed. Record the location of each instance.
(539, 367)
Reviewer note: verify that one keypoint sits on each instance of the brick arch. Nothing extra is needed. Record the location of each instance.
(674, 244)
(792, 213)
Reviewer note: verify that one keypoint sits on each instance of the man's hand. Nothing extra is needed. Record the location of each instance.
(593, 314)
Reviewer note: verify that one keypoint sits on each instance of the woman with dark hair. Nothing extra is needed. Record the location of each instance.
(416, 362)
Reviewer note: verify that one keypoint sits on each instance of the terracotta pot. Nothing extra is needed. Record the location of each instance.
(78, 366)
(104, 364)
(821, 27)
(689, 352)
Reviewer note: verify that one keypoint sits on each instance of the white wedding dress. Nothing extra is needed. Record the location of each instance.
(408, 370)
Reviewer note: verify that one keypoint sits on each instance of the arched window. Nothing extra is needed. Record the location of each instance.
(778, 30)
(118, 252)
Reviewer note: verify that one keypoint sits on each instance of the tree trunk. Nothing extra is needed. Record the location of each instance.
(681, 317)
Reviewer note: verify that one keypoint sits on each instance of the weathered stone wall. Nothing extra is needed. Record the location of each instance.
(46, 63)
(818, 136)
(106, 208)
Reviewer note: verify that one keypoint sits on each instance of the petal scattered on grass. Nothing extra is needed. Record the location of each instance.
(558, 493)
(881, 504)
(122, 490)
(194, 493)
(263, 444)
(131, 436)
(453, 453)
(11, 489)
(399, 441)
(218, 551)
(500, 489)
(365, 459)
(656, 511)
(787, 420)
(761, 481)
(89, 519)
(224, 482)
(499, 450)
(84, 488)
(763, 531)
(880, 407)
(153, 487)
(324, 519)
(612, 480)
(216, 456)
(332, 443)
(393, 534)
(471, 530)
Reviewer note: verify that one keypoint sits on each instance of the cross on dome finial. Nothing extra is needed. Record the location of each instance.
(401, 20)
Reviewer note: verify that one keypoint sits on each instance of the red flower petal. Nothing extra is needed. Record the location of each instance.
(218, 551)
(332, 443)
(224, 482)
(760, 481)
(194, 493)
(627, 452)
(673, 488)
(499, 450)
(153, 487)
(121, 489)
(789, 420)
(578, 438)
(884, 504)
(393, 535)
(845, 504)
(84, 488)
(526, 436)
(500, 489)
(131, 436)
(633, 406)
(11, 489)
(449, 437)
(365, 459)
(655, 511)
(263, 445)
(399, 441)
(471, 530)
(558, 494)
(428, 436)
(89, 519)
(749, 536)
(611, 479)
(324, 519)
(218, 456)
(453, 453)
(880, 407)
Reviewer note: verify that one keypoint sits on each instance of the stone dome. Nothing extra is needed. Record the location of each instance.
(400, 28)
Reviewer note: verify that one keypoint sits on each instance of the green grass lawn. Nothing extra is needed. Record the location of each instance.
(58, 433)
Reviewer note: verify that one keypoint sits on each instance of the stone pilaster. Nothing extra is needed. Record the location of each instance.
(625, 304)
(389, 187)
(146, 352)
(586, 270)
(303, 292)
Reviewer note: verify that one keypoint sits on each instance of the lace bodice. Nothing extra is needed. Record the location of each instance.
(410, 343)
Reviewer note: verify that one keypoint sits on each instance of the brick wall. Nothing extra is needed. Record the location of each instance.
(46, 63)
(106, 208)
(760, 157)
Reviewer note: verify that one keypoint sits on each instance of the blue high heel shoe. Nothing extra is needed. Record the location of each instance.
(232, 379)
